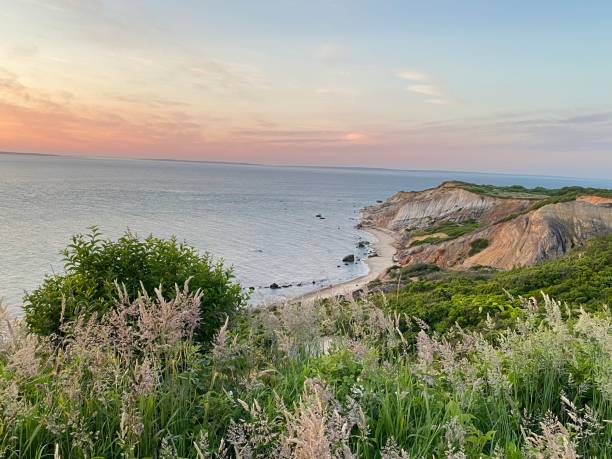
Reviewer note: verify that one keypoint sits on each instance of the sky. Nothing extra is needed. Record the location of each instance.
(495, 85)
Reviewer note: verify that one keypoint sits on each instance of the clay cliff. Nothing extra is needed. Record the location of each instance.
(453, 226)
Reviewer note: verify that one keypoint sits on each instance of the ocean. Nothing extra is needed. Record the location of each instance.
(262, 220)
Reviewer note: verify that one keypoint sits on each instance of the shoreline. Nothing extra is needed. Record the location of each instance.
(383, 245)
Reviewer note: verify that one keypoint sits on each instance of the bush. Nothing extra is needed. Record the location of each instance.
(94, 266)
(478, 245)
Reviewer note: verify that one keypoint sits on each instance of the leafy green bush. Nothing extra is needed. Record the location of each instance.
(419, 269)
(94, 266)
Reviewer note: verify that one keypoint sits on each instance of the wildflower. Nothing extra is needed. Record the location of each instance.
(145, 378)
(166, 449)
(426, 348)
(202, 446)
(392, 451)
(321, 428)
(23, 360)
(554, 442)
(455, 439)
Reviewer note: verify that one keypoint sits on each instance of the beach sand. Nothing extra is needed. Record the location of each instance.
(383, 245)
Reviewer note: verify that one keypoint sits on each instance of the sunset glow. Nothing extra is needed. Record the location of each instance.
(459, 85)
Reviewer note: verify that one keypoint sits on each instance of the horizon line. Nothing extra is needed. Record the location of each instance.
(301, 166)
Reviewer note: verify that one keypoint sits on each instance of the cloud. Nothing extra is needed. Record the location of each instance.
(119, 25)
(226, 76)
(423, 84)
(301, 136)
(544, 133)
(32, 119)
(13, 91)
(92, 6)
(425, 89)
(413, 75)
(355, 137)
(598, 117)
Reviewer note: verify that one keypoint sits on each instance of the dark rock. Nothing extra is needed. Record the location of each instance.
(349, 259)
(286, 285)
(314, 282)
(319, 216)
(274, 286)
(251, 288)
(362, 244)
(379, 201)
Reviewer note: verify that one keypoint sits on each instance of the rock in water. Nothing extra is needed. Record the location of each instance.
(349, 259)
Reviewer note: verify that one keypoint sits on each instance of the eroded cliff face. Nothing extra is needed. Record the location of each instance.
(448, 202)
(511, 240)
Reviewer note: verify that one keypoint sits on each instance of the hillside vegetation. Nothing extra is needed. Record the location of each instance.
(538, 193)
(583, 278)
(380, 376)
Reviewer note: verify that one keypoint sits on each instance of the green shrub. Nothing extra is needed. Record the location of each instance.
(478, 245)
(427, 240)
(452, 229)
(94, 266)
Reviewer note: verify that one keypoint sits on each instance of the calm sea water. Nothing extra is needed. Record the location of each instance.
(259, 219)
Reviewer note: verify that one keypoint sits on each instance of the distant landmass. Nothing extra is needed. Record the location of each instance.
(26, 154)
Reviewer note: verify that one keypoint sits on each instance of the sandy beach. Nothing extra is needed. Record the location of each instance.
(383, 245)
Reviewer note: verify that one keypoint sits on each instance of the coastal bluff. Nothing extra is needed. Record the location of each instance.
(459, 225)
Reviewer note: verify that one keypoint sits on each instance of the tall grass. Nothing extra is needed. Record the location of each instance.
(338, 379)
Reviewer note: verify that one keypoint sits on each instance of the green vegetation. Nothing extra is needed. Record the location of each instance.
(452, 230)
(340, 379)
(478, 245)
(583, 278)
(96, 267)
(415, 270)
(379, 377)
(428, 240)
(520, 192)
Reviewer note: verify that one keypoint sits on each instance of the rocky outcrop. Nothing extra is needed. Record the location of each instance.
(448, 202)
(518, 231)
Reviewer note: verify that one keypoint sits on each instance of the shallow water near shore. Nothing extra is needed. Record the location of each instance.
(262, 220)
